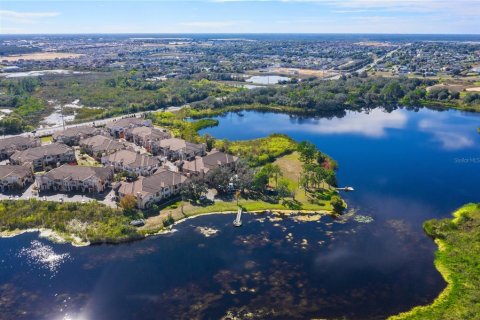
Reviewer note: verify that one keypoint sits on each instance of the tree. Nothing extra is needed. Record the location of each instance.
(219, 179)
(128, 203)
(307, 151)
(392, 91)
(273, 171)
(244, 176)
(337, 204)
(194, 189)
(319, 175)
(260, 180)
(209, 142)
(283, 188)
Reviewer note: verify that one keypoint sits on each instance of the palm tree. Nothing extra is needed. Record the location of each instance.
(273, 171)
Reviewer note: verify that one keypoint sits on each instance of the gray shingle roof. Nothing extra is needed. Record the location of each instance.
(40, 152)
(101, 143)
(68, 172)
(16, 142)
(152, 184)
(13, 170)
(132, 159)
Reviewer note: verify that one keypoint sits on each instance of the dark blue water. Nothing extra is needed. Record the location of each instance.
(403, 164)
(406, 167)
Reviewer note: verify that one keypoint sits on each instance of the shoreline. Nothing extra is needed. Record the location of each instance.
(49, 234)
(442, 296)
(453, 237)
(75, 241)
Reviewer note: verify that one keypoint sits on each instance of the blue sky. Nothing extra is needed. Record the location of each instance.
(241, 16)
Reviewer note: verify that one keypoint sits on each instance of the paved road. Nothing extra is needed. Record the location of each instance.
(41, 132)
(50, 130)
(374, 63)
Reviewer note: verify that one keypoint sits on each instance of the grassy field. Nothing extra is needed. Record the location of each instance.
(260, 151)
(46, 139)
(458, 260)
(85, 160)
(291, 167)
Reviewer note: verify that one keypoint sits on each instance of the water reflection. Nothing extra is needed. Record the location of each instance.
(43, 256)
(373, 262)
(324, 268)
(451, 136)
(373, 124)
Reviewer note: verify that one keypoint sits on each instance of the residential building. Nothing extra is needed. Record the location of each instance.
(162, 185)
(8, 146)
(99, 146)
(40, 158)
(118, 128)
(202, 165)
(147, 137)
(14, 177)
(132, 162)
(67, 178)
(72, 136)
(175, 148)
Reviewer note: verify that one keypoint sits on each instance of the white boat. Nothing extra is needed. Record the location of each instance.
(238, 220)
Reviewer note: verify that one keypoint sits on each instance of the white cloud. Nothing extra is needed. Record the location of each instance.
(25, 17)
(373, 124)
(463, 6)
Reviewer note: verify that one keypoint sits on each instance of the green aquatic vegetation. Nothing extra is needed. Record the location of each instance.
(363, 219)
(458, 260)
(260, 151)
(91, 222)
(175, 122)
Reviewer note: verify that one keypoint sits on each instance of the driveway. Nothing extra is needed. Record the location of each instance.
(105, 198)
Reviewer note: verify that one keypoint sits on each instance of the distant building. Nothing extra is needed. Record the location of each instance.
(147, 137)
(72, 136)
(118, 128)
(132, 162)
(14, 177)
(175, 148)
(69, 178)
(162, 185)
(39, 158)
(8, 146)
(202, 165)
(99, 146)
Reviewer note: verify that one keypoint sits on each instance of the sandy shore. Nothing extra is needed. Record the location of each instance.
(48, 234)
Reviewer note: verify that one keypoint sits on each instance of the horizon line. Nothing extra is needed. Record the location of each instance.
(227, 33)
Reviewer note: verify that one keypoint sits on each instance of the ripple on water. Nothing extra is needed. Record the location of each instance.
(43, 256)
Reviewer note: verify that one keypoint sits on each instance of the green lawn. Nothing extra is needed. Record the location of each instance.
(458, 260)
(85, 160)
(291, 167)
(46, 139)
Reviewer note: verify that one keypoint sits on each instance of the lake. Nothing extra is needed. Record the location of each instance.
(406, 167)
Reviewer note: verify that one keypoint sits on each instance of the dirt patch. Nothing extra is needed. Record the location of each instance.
(41, 56)
(474, 89)
(303, 72)
(374, 44)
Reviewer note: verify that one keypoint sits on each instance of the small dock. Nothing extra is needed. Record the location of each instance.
(238, 220)
(346, 189)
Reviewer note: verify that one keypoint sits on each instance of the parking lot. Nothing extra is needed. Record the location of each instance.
(105, 198)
